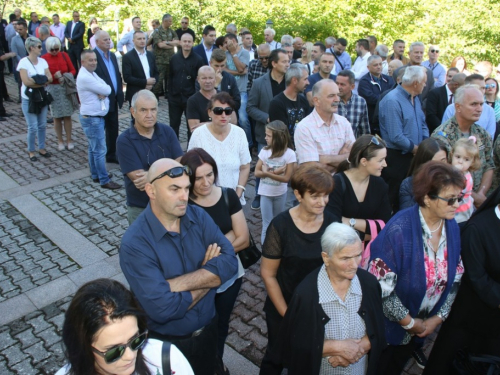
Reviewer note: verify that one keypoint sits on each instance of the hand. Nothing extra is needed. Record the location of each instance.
(101, 97)
(430, 325)
(141, 180)
(212, 251)
(280, 170)
(479, 198)
(218, 78)
(346, 148)
(149, 87)
(231, 46)
(58, 74)
(265, 168)
(151, 81)
(418, 327)
(351, 350)
(336, 361)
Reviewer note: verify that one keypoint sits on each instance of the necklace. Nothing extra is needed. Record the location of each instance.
(439, 226)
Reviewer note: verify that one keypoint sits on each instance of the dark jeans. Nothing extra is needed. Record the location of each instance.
(75, 57)
(224, 303)
(200, 351)
(175, 111)
(394, 357)
(112, 126)
(396, 171)
(3, 93)
(273, 321)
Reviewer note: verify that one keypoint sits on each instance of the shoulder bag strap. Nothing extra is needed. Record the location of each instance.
(336, 58)
(165, 358)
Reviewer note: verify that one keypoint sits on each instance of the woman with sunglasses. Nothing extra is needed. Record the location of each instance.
(360, 198)
(105, 333)
(306, 58)
(491, 98)
(226, 143)
(416, 259)
(29, 67)
(62, 106)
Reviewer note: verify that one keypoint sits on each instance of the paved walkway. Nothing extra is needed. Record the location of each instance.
(59, 230)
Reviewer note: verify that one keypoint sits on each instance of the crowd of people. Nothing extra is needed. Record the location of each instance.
(377, 180)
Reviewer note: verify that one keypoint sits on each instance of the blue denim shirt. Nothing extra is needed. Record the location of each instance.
(149, 254)
(402, 124)
(110, 67)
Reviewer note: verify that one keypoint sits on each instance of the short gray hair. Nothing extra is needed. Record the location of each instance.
(31, 42)
(52, 42)
(286, 39)
(143, 94)
(461, 91)
(99, 34)
(43, 30)
(233, 28)
(271, 31)
(330, 40)
(413, 74)
(382, 50)
(295, 71)
(319, 85)
(373, 57)
(336, 237)
(416, 44)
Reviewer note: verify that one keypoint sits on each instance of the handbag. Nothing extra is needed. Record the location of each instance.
(365, 257)
(251, 254)
(165, 358)
(466, 363)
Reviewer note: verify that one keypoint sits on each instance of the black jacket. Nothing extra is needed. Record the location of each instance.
(303, 329)
(437, 102)
(115, 98)
(182, 76)
(229, 85)
(133, 73)
(78, 34)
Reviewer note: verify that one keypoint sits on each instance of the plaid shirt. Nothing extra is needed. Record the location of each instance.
(356, 112)
(449, 133)
(255, 70)
(313, 137)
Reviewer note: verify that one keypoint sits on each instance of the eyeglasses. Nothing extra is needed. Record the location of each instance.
(147, 156)
(54, 50)
(450, 201)
(218, 110)
(434, 50)
(174, 173)
(263, 57)
(490, 86)
(184, 23)
(114, 354)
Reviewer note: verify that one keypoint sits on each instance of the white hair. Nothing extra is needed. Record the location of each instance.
(287, 39)
(413, 74)
(336, 237)
(143, 94)
(416, 44)
(52, 42)
(271, 31)
(382, 50)
(461, 91)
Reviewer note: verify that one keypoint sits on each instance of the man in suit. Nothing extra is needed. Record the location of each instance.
(206, 47)
(74, 34)
(107, 69)
(139, 67)
(263, 90)
(439, 99)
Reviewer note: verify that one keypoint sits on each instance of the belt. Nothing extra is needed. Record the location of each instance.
(86, 116)
(159, 336)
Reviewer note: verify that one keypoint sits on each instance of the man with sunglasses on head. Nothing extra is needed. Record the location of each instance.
(438, 70)
(138, 147)
(174, 257)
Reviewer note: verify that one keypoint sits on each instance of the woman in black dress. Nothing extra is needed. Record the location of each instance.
(292, 249)
(474, 321)
(360, 198)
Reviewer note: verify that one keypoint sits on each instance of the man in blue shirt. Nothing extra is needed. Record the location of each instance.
(326, 64)
(174, 257)
(438, 70)
(403, 127)
(141, 145)
(342, 58)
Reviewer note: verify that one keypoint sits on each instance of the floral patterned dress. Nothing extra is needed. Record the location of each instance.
(436, 275)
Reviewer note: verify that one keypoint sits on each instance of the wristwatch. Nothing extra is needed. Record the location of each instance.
(235, 55)
(352, 222)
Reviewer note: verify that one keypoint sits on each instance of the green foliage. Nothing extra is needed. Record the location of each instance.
(458, 27)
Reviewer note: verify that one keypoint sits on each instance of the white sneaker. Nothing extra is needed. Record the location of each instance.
(71, 146)
(60, 146)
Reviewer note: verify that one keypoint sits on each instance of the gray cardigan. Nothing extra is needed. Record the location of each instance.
(259, 98)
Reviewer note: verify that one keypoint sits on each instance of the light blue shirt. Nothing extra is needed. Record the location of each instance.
(344, 58)
(128, 41)
(110, 67)
(486, 121)
(438, 71)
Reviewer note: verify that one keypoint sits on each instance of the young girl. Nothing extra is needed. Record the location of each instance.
(465, 157)
(275, 167)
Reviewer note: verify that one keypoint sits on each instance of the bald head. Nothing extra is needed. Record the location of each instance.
(264, 48)
(160, 166)
(393, 66)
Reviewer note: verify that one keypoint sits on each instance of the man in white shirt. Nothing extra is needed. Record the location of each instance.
(269, 35)
(128, 38)
(57, 28)
(93, 93)
(360, 67)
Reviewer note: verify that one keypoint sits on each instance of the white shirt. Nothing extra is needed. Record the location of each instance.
(448, 93)
(73, 27)
(144, 61)
(385, 67)
(89, 85)
(32, 70)
(274, 45)
(360, 67)
(152, 353)
(208, 52)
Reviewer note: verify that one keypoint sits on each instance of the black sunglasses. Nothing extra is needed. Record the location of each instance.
(218, 110)
(450, 201)
(264, 58)
(174, 173)
(375, 140)
(434, 50)
(114, 354)
(54, 50)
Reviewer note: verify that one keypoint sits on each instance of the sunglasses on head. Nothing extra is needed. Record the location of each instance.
(115, 353)
(174, 173)
(218, 110)
(490, 86)
(434, 50)
(450, 201)
(54, 50)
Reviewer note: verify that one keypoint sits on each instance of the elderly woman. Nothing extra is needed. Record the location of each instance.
(226, 143)
(104, 332)
(361, 198)
(474, 321)
(35, 76)
(335, 317)
(416, 259)
(292, 248)
(61, 106)
(224, 207)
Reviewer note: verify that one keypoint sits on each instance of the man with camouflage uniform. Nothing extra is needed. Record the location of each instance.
(164, 41)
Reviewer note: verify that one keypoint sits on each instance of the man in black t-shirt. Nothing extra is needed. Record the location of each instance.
(291, 106)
